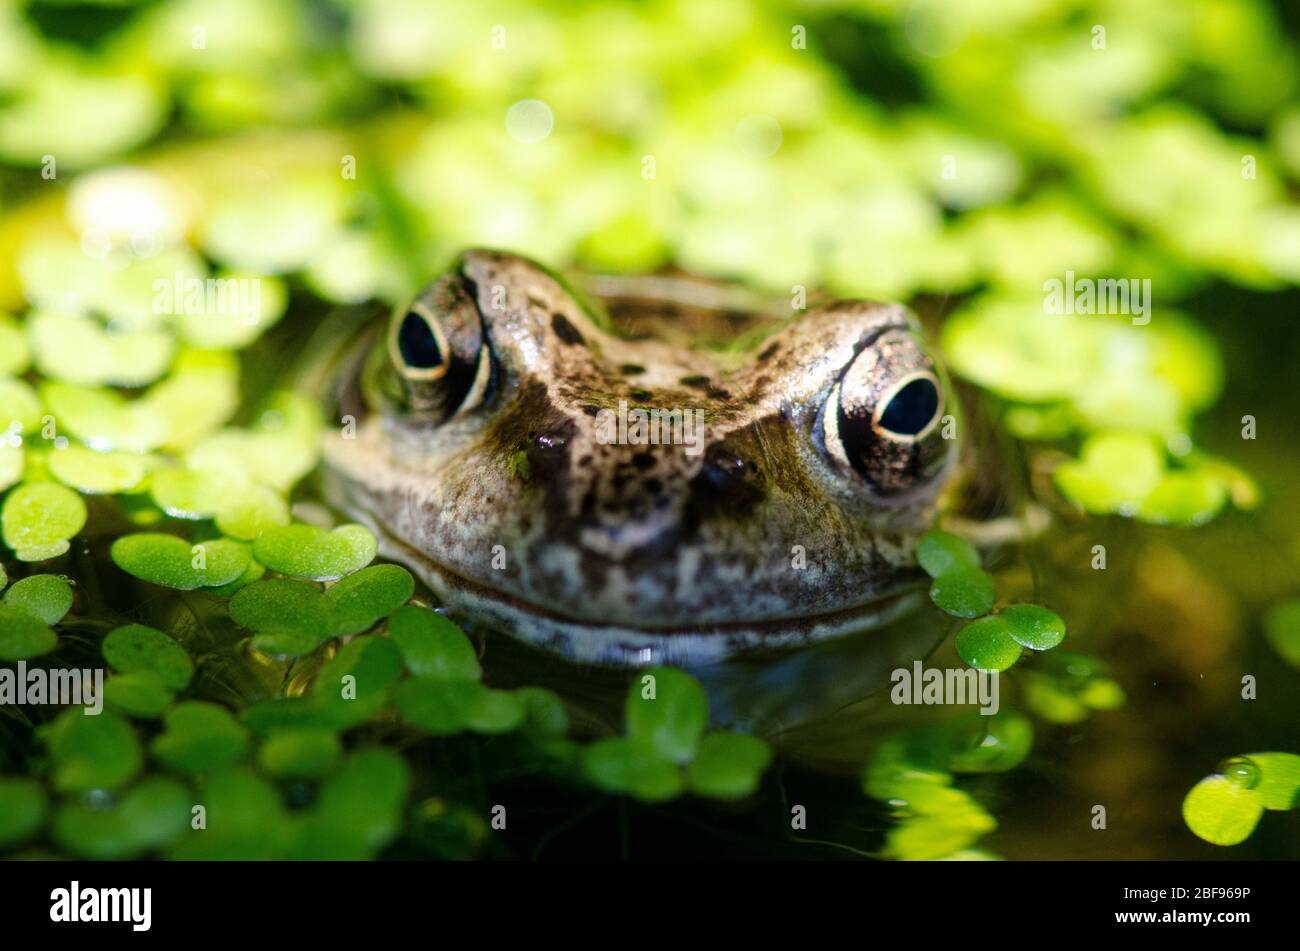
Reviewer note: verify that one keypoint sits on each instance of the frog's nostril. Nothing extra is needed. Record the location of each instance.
(911, 409)
(417, 344)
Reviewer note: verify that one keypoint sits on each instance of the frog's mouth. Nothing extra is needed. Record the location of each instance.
(607, 644)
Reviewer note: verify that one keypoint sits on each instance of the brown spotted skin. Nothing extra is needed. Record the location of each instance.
(515, 511)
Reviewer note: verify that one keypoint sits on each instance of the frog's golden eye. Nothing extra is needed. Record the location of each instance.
(436, 348)
(882, 417)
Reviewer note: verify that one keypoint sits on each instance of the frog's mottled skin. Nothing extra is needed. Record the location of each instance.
(511, 508)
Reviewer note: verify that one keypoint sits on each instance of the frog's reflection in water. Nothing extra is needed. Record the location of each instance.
(827, 703)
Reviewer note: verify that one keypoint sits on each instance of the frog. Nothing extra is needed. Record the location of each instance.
(498, 436)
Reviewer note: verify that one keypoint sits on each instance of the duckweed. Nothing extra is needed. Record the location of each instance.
(174, 563)
(305, 551)
(39, 518)
(1225, 808)
(137, 649)
(45, 597)
(666, 749)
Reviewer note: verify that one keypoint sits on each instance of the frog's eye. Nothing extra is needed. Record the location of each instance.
(420, 344)
(882, 417)
(910, 408)
(436, 348)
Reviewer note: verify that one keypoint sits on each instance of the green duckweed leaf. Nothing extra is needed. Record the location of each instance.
(1221, 811)
(632, 767)
(357, 601)
(102, 419)
(444, 707)
(189, 493)
(285, 642)
(22, 809)
(97, 473)
(20, 407)
(77, 349)
(300, 753)
(941, 552)
(283, 606)
(241, 325)
(1282, 629)
(253, 572)
(156, 811)
(174, 563)
(1115, 473)
(45, 597)
(432, 646)
(15, 355)
(12, 462)
(964, 592)
(138, 695)
(93, 833)
(362, 802)
(545, 716)
(92, 752)
(288, 713)
(199, 737)
(728, 765)
(988, 643)
(1184, 498)
(1279, 779)
(136, 649)
(152, 815)
(38, 518)
(354, 684)
(23, 636)
(245, 820)
(1034, 627)
(667, 710)
(252, 510)
(305, 551)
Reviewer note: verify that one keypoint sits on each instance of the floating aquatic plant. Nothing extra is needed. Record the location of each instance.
(666, 713)
(963, 589)
(1225, 808)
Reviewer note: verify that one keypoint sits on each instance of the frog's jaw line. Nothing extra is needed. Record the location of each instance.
(616, 645)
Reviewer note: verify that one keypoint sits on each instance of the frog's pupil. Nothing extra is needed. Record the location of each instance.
(417, 344)
(911, 409)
